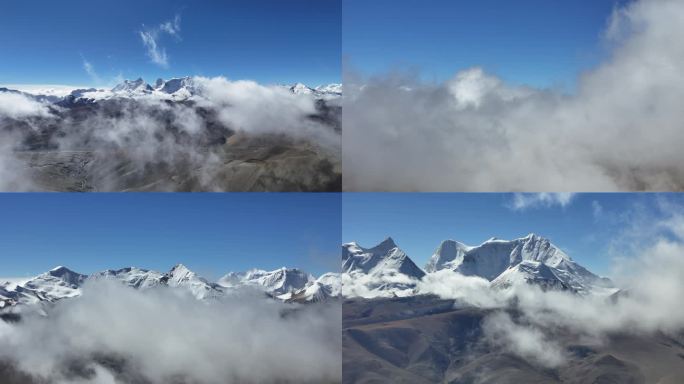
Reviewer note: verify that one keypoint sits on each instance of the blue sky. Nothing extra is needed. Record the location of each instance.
(585, 227)
(543, 43)
(210, 233)
(271, 41)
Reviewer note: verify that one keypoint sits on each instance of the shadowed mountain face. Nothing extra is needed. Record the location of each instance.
(423, 339)
(183, 136)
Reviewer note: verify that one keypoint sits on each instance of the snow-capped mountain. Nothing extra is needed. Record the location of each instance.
(175, 89)
(321, 92)
(61, 283)
(531, 258)
(131, 86)
(384, 257)
(385, 270)
(180, 276)
(324, 288)
(56, 284)
(331, 89)
(133, 277)
(278, 282)
(176, 86)
(447, 255)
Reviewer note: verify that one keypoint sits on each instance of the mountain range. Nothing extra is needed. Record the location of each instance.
(181, 134)
(389, 271)
(286, 284)
(174, 89)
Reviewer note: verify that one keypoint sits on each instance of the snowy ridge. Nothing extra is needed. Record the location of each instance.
(382, 258)
(329, 91)
(175, 89)
(533, 259)
(385, 270)
(133, 277)
(278, 282)
(287, 284)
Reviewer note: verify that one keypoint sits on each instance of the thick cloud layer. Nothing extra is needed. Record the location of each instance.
(17, 105)
(620, 131)
(150, 138)
(115, 334)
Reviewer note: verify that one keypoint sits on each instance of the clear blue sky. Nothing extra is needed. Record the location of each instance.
(211, 233)
(271, 41)
(419, 222)
(536, 42)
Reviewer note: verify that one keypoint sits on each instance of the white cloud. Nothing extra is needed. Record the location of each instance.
(18, 106)
(155, 53)
(90, 70)
(527, 342)
(165, 335)
(596, 209)
(472, 290)
(523, 201)
(171, 27)
(151, 36)
(620, 131)
(58, 90)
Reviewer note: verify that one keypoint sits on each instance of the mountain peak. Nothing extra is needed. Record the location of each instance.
(388, 242)
(179, 268)
(60, 271)
(448, 253)
(449, 243)
(132, 85)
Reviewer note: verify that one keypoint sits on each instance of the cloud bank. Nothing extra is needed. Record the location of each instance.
(18, 106)
(115, 334)
(620, 131)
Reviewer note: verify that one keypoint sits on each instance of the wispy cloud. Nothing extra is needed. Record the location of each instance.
(596, 209)
(90, 70)
(172, 27)
(151, 37)
(523, 201)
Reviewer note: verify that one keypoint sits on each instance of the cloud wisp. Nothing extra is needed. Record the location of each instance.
(523, 201)
(90, 70)
(151, 40)
(620, 131)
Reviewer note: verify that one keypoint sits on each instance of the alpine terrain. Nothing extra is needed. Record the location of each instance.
(181, 134)
(504, 311)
